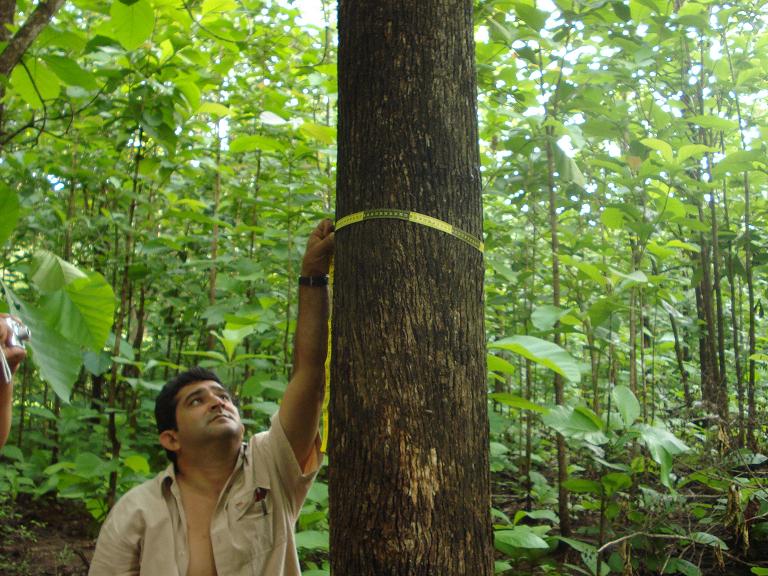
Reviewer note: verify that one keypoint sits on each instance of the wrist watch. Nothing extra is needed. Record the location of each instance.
(313, 281)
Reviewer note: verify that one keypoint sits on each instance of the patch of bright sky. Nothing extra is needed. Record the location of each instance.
(312, 12)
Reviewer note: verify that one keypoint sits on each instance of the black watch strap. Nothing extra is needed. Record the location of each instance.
(314, 281)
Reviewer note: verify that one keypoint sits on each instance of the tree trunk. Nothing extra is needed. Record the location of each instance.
(7, 14)
(27, 34)
(409, 479)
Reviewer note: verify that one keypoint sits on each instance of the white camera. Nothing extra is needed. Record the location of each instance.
(19, 333)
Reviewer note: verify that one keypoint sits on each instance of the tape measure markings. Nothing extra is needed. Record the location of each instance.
(382, 214)
(410, 216)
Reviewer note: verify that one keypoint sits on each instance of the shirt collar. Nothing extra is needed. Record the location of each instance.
(168, 476)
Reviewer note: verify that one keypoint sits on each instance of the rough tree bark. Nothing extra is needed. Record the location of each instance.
(409, 478)
(26, 34)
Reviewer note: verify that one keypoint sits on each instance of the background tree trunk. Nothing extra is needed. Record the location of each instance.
(409, 480)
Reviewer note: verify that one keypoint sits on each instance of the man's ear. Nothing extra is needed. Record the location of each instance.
(169, 440)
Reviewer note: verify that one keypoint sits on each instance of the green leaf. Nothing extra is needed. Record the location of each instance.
(708, 539)
(660, 146)
(10, 209)
(521, 537)
(217, 6)
(256, 142)
(612, 218)
(546, 316)
(94, 300)
(716, 122)
(132, 25)
(542, 352)
(88, 465)
(97, 363)
(588, 555)
(324, 134)
(214, 109)
(497, 364)
(615, 481)
(740, 161)
(662, 445)
(51, 273)
(578, 423)
(42, 80)
(82, 311)
(70, 72)
(690, 150)
(57, 359)
(590, 270)
(138, 464)
(680, 566)
(313, 540)
(567, 168)
(627, 404)
(516, 402)
(533, 17)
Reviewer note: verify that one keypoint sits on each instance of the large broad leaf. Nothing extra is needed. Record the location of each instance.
(615, 481)
(579, 423)
(588, 555)
(51, 273)
(739, 161)
(627, 404)
(680, 566)
(9, 208)
(567, 168)
(313, 540)
(256, 142)
(82, 311)
(132, 24)
(662, 445)
(57, 359)
(542, 352)
(324, 134)
(546, 316)
(497, 364)
(660, 146)
(583, 486)
(33, 81)
(519, 537)
(70, 72)
(214, 109)
(516, 402)
(716, 122)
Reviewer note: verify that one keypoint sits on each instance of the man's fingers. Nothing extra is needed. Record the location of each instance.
(14, 356)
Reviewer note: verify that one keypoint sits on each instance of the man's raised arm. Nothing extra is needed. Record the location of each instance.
(303, 400)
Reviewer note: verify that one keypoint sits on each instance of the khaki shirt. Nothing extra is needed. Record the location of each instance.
(251, 529)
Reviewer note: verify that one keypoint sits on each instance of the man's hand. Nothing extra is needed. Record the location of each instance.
(317, 256)
(13, 354)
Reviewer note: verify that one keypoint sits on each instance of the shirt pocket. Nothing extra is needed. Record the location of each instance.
(251, 521)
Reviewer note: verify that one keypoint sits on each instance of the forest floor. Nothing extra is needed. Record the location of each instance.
(45, 537)
(56, 537)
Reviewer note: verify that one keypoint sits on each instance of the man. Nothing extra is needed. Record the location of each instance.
(223, 508)
(14, 355)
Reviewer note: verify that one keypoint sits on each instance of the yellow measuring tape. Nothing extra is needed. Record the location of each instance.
(410, 216)
(383, 214)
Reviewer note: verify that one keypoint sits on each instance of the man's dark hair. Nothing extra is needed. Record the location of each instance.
(165, 403)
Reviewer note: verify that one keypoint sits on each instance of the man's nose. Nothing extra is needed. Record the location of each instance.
(217, 402)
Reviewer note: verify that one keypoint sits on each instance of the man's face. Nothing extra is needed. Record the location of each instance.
(205, 413)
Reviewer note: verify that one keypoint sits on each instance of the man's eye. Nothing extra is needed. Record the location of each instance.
(195, 401)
